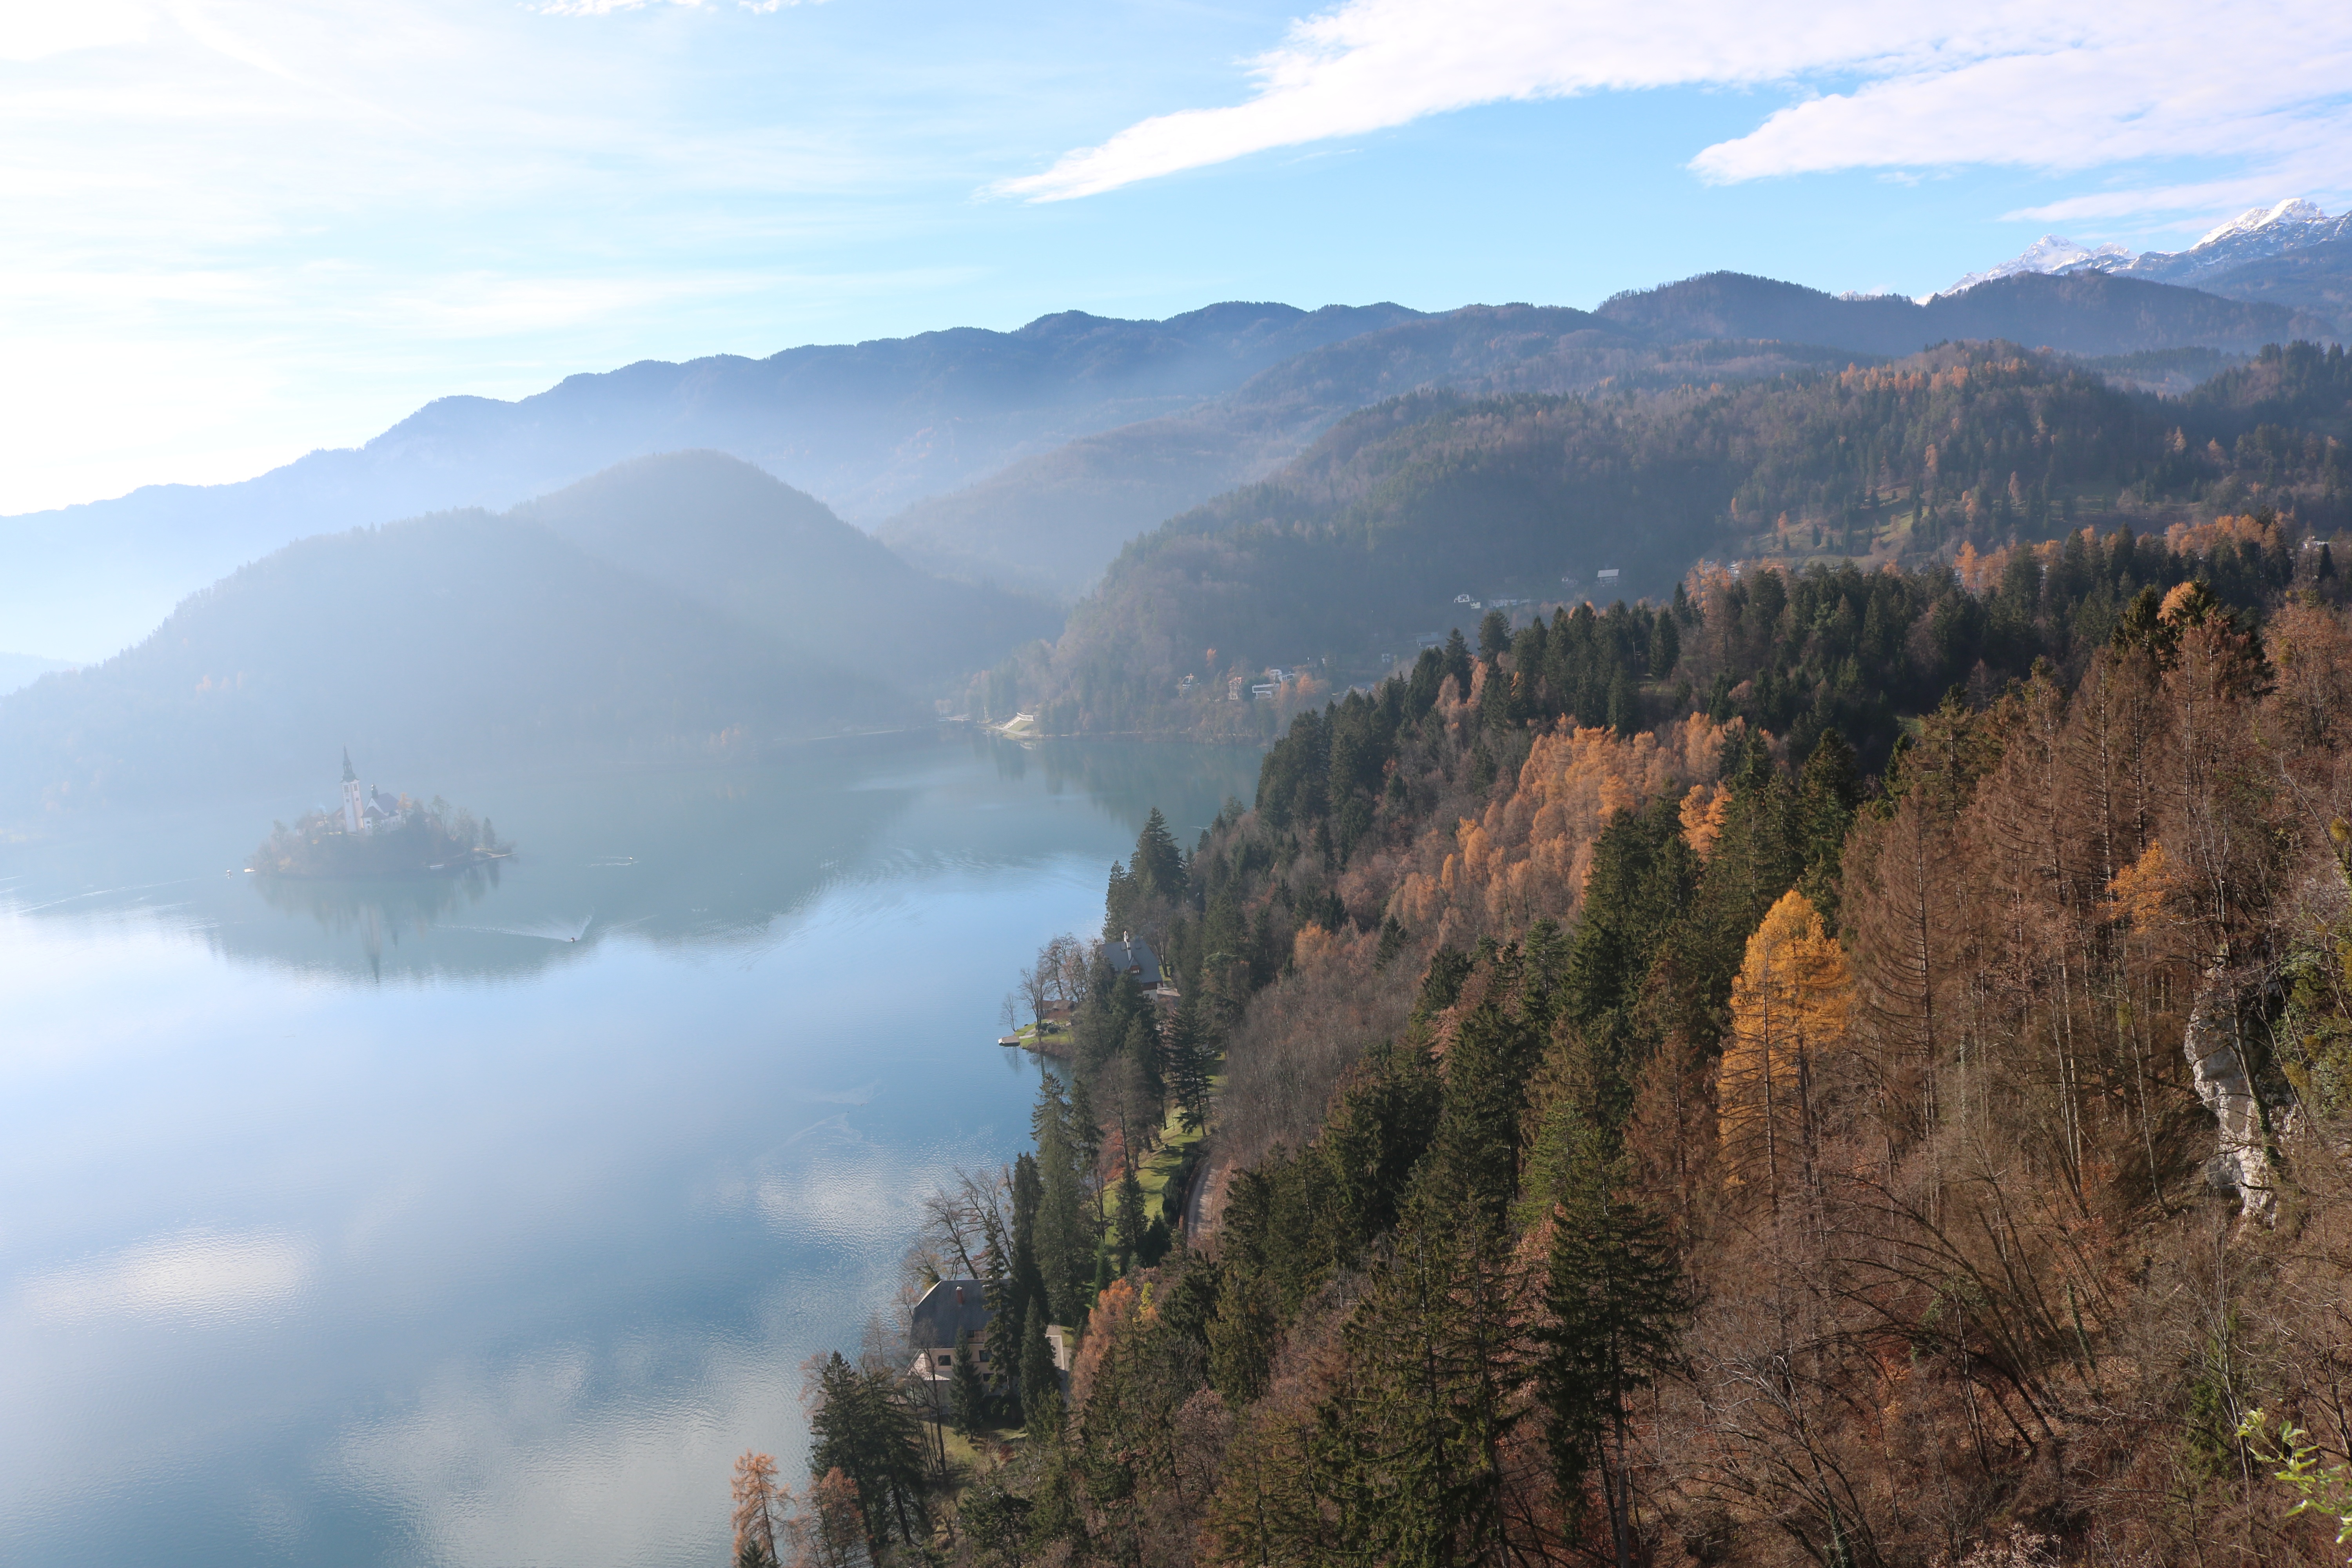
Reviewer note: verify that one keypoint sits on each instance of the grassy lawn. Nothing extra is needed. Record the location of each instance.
(1154, 1173)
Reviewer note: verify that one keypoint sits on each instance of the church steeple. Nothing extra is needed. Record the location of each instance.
(349, 776)
(354, 813)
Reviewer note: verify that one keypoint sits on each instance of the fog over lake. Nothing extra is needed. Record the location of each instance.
(484, 1221)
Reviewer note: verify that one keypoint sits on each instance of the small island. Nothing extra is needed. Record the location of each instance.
(378, 835)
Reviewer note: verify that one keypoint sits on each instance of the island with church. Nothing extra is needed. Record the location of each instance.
(372, 834)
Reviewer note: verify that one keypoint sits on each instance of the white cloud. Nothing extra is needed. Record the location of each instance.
(2077, 85)
(37, 30)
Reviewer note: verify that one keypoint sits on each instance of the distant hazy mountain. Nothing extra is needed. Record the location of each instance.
(1055, 520)
(23, 669)
(721, 531)
(869, 427)
(1382, 531)
(2088, 313)
(681, 607)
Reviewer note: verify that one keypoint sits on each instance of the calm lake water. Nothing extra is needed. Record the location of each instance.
(484, 1223)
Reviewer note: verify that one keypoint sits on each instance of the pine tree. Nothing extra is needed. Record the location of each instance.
(1188, 1063)
(967, 1393)
(1130, 1215)
(1041, 1380)
(1157, 868)
(1616, 1301)
(1436, 1367)
(863, 1429)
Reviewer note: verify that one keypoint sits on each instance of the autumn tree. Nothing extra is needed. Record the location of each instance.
(1788, 1006)
(762, 1510)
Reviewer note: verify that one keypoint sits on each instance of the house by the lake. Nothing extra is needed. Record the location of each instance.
(948, 1308)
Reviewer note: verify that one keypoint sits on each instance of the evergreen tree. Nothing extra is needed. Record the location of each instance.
(1494, 635)
(1130, 1215)
(967, 1392)
(1188, 1063)
(1827, 792)
(1455, 662)
(1158, 864)
(863, 1429)
(1614, 1295)
(1119, 902)
(1418, 1435)
(1064, 1242)
(1041, 1380)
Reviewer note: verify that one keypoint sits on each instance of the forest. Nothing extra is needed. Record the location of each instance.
(1360, 545)
(1762, 1130)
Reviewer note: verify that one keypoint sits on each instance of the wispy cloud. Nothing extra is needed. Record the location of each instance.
(2077, 85)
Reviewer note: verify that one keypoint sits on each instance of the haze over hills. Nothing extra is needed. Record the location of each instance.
(2082, 313)
(683, 607)
(1053, 521)
(728, 535)
(1031, 456)
(1362, 545)
(867, 428)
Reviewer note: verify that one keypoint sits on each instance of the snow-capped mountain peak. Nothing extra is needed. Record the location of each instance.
(2293, 210)
(2051, 253)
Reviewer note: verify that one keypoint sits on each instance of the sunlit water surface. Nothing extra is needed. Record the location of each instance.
(485, 1222)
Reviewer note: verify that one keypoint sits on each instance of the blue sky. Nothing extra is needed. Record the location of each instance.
(237, 230)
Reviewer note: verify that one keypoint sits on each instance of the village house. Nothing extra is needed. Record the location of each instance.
(948, 1308)
(954, 1308)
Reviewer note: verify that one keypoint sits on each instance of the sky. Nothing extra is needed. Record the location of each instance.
(236, 231)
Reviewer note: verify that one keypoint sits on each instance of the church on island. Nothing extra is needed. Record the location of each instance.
(374, 834)
(373, 812)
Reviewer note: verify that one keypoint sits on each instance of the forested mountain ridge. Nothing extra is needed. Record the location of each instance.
(1674, 1145)
(867, 426)
(687, 607)
(1056, 518)
(771, 558)
(1363, 544)
(2086, 313)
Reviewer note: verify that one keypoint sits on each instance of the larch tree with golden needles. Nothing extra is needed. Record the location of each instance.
(761, 1507)
(1788, 1006)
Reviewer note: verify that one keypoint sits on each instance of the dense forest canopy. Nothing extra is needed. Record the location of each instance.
(1361, 547)
(1907, 1133)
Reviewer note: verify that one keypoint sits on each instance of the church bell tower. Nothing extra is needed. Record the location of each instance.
(353, 822)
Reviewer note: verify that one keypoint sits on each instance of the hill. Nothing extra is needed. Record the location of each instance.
(1385, 531)
(2087, 313)
(868, 427)
(1054, 520)
(458, 637)
(1674, 1145)
(720, 531)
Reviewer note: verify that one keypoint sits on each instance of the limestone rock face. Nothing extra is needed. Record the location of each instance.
(2242, 1160)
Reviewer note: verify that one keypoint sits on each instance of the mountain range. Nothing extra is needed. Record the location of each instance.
(682, 607)
(1029, 457)
(2290, 253)
(867, 428)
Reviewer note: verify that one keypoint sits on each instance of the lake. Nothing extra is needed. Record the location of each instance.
(484, 1221)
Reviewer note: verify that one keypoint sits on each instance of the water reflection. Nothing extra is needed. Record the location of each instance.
(695, 857)
(414, 1223)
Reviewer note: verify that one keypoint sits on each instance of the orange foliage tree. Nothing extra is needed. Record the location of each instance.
(1788, 1006)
